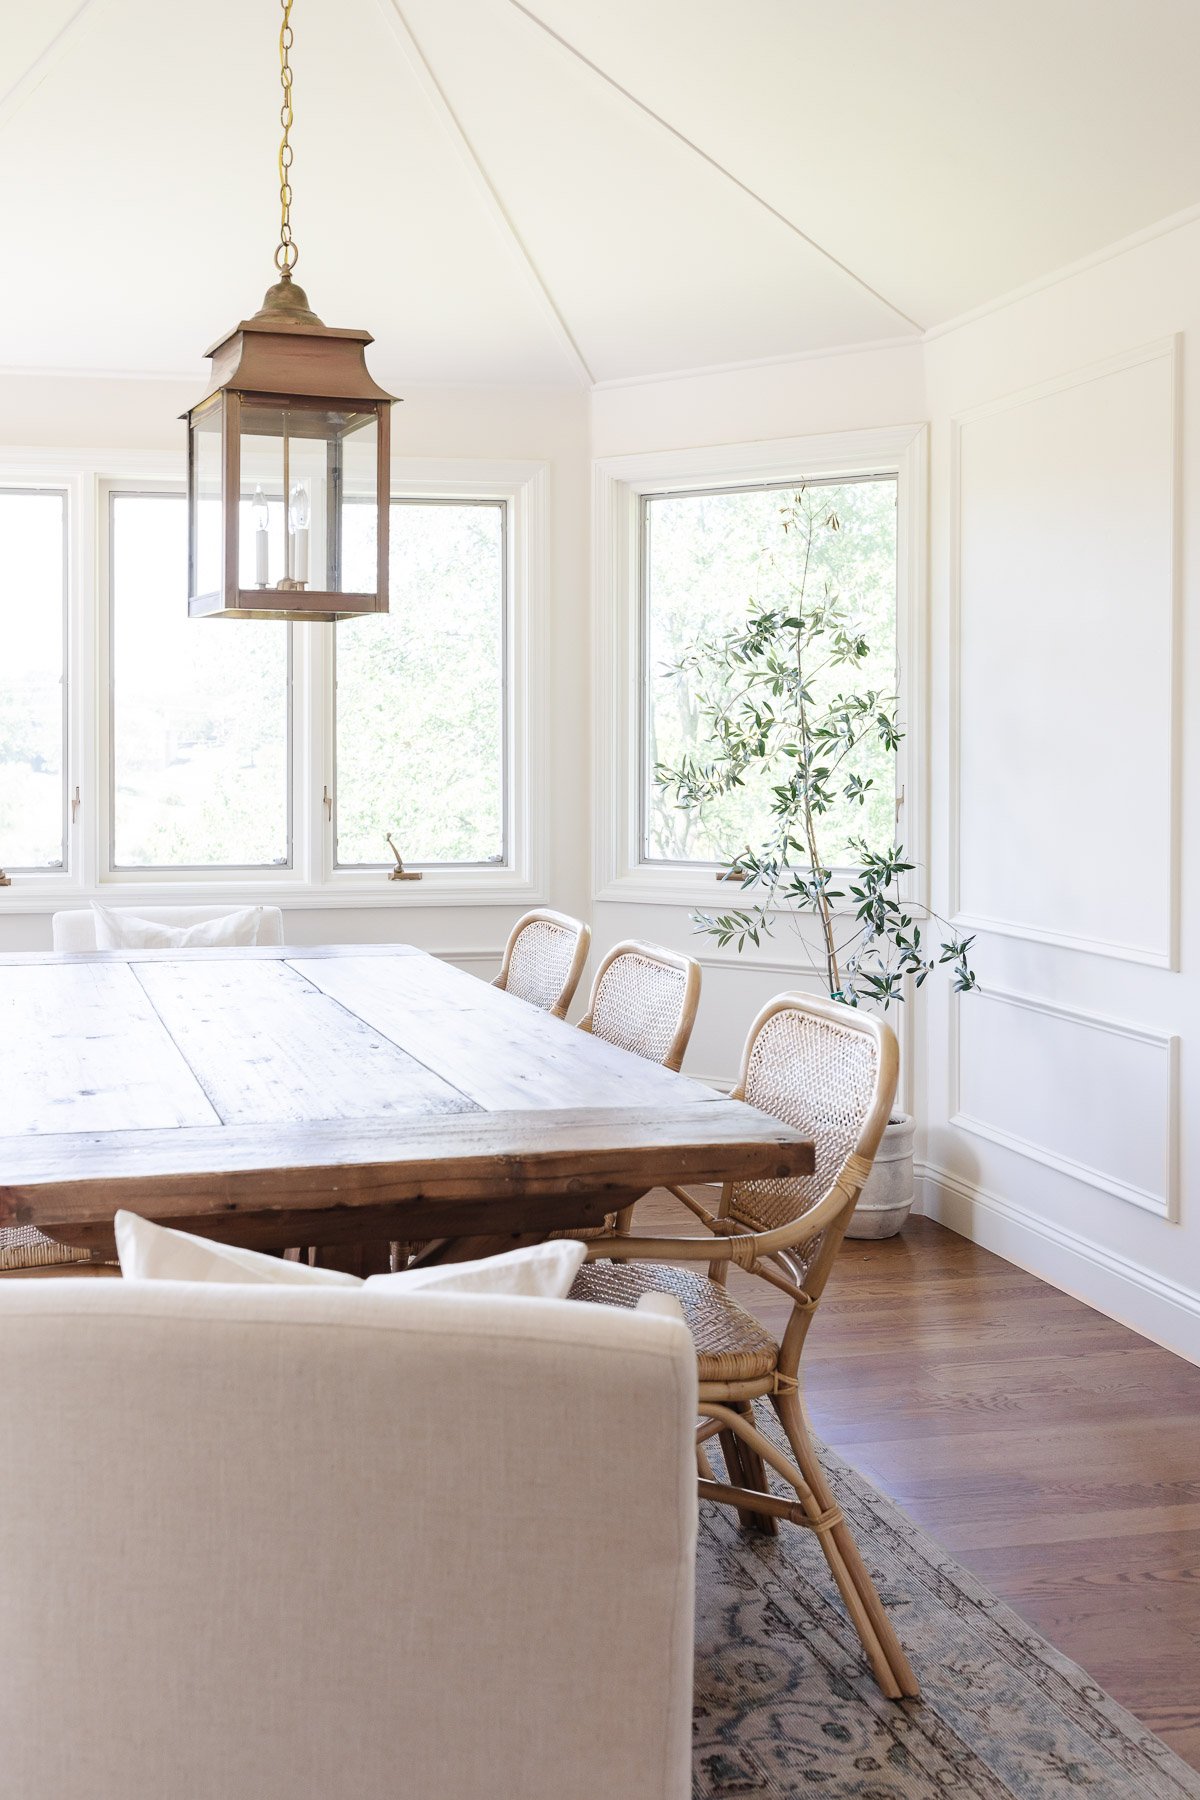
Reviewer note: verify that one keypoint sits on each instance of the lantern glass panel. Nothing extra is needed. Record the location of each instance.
(206, 464)
(299, 466)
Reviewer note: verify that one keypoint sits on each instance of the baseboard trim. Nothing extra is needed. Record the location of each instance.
(1126, 1291)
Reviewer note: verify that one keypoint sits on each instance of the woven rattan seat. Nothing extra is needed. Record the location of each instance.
(25, 1247)
(827, 1070)
(730, 1343)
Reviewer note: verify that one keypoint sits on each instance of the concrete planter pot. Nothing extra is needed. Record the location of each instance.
(887, 1197)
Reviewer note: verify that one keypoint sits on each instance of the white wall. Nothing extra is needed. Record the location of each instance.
(1061, 1113)
(499, 423)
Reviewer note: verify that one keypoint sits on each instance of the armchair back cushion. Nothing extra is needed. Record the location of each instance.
(304, 1542)
(123, 926)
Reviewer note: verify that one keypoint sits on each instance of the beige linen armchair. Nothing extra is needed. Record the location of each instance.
(283, 1543)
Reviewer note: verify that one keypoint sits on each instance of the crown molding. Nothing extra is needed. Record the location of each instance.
(1094, 260)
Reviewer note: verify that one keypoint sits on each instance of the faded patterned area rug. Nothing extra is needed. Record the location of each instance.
(785, 1704)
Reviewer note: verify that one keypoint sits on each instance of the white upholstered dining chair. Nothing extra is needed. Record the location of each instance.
(544, 959)
(829, 1071)
(260, 1573)
(76, 930)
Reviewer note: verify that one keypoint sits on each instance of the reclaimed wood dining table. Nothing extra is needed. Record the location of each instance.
(340, 1097)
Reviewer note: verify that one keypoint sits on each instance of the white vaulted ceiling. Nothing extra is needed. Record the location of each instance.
(560, 191)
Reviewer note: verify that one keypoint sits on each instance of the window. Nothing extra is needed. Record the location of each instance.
(420, 702)
(33, 715)
(199, 767)
(233, 761)
(706, 555)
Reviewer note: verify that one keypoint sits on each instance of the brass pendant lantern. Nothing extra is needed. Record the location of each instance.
(288, 455)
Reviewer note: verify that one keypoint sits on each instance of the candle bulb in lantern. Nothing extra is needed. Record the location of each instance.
(261, 520)
(298, 527)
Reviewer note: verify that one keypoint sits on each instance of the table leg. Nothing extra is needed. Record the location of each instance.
(371, 1258)
(468, 1249)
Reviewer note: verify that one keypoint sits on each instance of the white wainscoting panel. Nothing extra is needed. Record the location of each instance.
(1064, 742)
(1089, 1096)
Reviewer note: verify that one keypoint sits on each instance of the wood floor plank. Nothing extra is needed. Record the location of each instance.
(502, 1052)
(268, 1047)
(82, 1049)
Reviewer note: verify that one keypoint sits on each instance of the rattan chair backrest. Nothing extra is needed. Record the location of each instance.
(644, 998)
(544, 959)
(829, 1071)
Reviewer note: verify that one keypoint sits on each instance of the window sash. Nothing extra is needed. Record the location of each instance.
(619, 482)
(63, 494)
(645, 676)
(115, 492)
(504, 858)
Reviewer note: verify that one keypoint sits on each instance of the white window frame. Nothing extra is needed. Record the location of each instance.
(57, 485)
(620, 485)
(312, 882)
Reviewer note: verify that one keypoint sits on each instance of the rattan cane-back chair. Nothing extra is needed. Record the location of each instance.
(644, 998)
(544, 959)
(829, 1071)
(26, 1250)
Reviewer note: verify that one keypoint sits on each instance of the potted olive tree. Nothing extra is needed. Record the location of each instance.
(779, 707)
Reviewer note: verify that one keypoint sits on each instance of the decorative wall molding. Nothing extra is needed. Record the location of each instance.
(1164, 1205)
(761, 965)
(907, 341)
(1149, 1303)
(1158, 956)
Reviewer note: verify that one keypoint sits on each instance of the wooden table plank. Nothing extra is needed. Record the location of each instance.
(432, 1170)
(268, 1047)
(208, 953)
(500, 1051)
(82, 1049)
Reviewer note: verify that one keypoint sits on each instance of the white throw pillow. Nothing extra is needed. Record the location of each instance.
(125, 931)
(540, 1271)
(150, 1252)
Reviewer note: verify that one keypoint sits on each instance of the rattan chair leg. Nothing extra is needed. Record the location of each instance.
(840, 1542)
(815, 1508)
(736, 1472)
(754, 1475)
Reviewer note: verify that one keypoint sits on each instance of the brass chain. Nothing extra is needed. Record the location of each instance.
(286, 254)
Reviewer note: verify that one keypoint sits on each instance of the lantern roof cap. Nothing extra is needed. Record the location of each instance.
(284, 348)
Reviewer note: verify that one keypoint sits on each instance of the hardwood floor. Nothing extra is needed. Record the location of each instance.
(1054, 1452)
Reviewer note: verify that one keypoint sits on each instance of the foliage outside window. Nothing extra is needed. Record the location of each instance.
(420, 713)
(791, 735)
(200, 709)
(33, 539)
(707, 559)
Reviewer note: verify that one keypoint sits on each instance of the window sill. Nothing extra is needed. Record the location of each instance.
(670, 885)
(437, 887)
